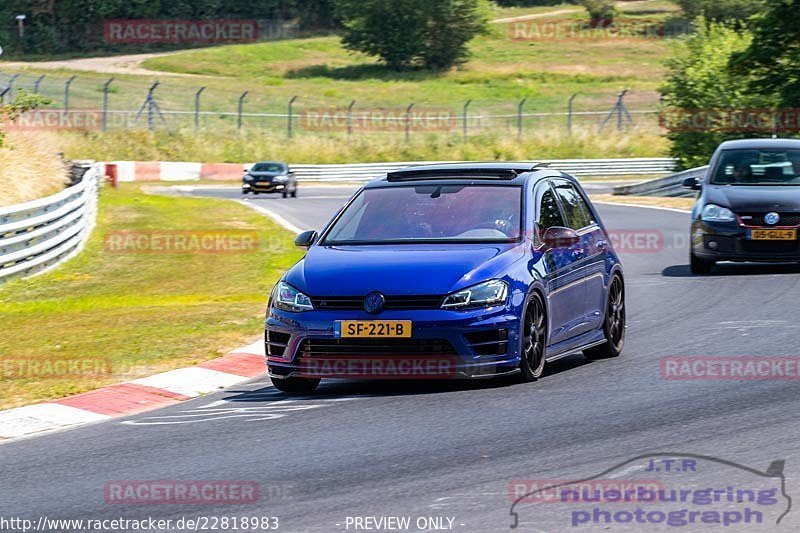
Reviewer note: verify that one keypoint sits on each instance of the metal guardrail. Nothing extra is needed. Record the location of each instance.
(577, 167)
(36, 236)
(667, 186)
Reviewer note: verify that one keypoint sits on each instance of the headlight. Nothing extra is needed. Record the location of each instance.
(280, 178)
(248, 177)
(482, 295)
(715, 213)
(287, 298)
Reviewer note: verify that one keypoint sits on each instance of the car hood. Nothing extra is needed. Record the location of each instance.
(747, 198)
(400, 270)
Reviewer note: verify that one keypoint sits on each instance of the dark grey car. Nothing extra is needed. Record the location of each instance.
(269, 177)
(748, 208)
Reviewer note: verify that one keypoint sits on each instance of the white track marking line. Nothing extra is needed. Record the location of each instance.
(43, 417)
(274, 216)
(192, 381)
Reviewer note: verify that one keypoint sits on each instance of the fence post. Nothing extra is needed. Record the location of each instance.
(105, 103)
(621, 112)
(408, 122)
(241, 103)
(66, 93)
(350, 119)
(289, 123)
(36, 84)
(464, 115)
(151, 107)
(197, 108)
(569, 114)
(519, 118)
(11, 81)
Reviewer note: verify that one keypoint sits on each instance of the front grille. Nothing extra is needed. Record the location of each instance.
(787, 219)
(356, 303)
(276, 342)
(489, 342)
(374, 347)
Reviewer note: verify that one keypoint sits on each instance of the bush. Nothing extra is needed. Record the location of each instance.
(405, 33)
(22, 101)
(601, 12)
(700, 79)
(721, 10)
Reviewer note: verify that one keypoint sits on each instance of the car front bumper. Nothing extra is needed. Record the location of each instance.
(444, 345)
(727, 241)
(263, 186)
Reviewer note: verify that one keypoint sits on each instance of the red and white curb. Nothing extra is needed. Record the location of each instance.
(137, 396)
(128, 171)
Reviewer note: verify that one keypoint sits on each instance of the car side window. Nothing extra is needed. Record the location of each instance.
(578, 213)
(549, 212)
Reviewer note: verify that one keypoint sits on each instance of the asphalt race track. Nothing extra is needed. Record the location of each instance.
(376, 449)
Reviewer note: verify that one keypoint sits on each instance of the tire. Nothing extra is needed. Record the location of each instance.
(613, 325)
(700, 266)
(285, 194)
(294, 193)
(295, 385)
(534, 340)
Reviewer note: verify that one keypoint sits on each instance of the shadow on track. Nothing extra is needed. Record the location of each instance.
(332, 389)
(734, 269)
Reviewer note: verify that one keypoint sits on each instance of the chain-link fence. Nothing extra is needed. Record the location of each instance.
(93, 103)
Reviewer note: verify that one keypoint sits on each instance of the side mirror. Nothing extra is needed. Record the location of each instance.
(692, 184)
(559, 237)
(305, 239)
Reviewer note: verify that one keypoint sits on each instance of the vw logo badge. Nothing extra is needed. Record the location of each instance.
(772, 218)
(374, 302)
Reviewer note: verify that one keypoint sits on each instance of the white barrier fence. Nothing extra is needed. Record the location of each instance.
(577, 167)
(36, 236)
(671, 185)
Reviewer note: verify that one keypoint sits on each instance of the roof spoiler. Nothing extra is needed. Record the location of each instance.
(502, 174)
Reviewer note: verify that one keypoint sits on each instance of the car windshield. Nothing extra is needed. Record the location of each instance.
(430, 213)
(758, 167)
(267, 167)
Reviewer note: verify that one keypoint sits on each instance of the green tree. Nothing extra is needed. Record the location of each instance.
(404, 33)
(773, 58)
(700, 81)
(601, 12)
(721, 10)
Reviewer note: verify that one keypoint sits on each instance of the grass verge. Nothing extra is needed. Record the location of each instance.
(188, 146)
(127, 315)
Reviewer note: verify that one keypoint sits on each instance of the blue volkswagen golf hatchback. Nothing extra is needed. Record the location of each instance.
(442, 271)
